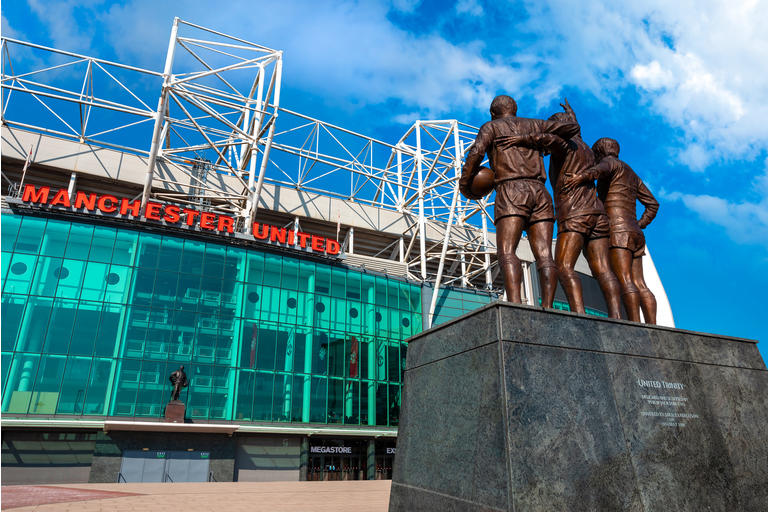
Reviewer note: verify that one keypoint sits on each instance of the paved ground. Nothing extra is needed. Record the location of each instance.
(347, 496)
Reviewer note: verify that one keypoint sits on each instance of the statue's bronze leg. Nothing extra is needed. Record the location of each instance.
(647, 299)
(596, 252)
(508, 232)
(567, 251)
(540, 237)
(621, 262)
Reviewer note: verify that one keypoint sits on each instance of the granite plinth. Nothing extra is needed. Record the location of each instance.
(515, 408)
(174, 411)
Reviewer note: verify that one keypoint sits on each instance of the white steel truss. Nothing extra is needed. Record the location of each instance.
(216, 118)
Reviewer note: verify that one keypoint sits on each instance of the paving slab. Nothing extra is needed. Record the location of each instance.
(345, 496)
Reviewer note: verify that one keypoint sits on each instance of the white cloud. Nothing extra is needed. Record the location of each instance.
(471, 7)
(344, 53)
(743, 220)
(406, 6)
(696, 63)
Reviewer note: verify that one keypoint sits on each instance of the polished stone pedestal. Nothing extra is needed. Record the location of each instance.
(514, 408)
(174, 411)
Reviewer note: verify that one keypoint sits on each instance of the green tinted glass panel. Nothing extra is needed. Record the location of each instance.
(12, 313)
(79, 241)
(10, 228)
(94, 281)
(170, 251)
(30, 237)
(99, 386)
(126, 246)
(19, 387)
(60, 327)
(47, 385)
(71, 274)
(35, 324)
(55, 240)
(73, 385)
(18, 277)
(85, 329)
(102, 245)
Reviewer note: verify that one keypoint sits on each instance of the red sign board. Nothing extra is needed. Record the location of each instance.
(175, 214)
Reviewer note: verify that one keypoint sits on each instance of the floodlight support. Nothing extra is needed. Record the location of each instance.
(162, 105)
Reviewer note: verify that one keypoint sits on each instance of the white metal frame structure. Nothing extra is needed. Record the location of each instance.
(216, 117)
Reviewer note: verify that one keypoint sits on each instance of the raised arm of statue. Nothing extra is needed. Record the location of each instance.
(651, 205)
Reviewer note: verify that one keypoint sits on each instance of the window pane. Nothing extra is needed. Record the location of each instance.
(79, 242)
(86, 328)
(281, 403)
(46, 278)
(192, 257)
(126, 244)
(255, 268)
(99, 385)
(127, 386)
(118, 284)
(71, 275)
(244, 403)
(236, 263)
(300, 400)
(272, 269)
(290, 274)
(73, 386)
(335, 400)
(199, 392)
(149, 399)
(103, 243)
(12, 312)
(47, 385)
(318, 413)
(10, 228)
(213, 265)
(32, 332)
(149, 250)
(55, 239)
(60, 327)
(95, 281)
(109, 335)
(352, 403)
(19, 275)
(262, 393)
(170, 254)
(221, 391)
(21, 377)
(5, 360)
(30, 235)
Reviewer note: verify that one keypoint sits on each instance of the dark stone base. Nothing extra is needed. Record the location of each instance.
(174, 411)
(518, 408)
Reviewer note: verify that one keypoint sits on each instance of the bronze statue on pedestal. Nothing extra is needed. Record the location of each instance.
(581, 219)
(522, 201)
(619, 188)
(179, 381)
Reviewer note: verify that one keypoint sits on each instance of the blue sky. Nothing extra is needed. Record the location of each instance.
(681, 85)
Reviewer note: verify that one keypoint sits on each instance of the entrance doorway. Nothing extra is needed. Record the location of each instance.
(164, 466)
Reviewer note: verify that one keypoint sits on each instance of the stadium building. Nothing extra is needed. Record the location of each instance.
(282, 260)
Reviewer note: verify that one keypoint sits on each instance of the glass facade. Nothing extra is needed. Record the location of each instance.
(95, 318)
(454, 302)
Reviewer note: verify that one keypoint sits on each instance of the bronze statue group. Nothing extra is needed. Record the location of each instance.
(594, 204)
